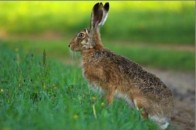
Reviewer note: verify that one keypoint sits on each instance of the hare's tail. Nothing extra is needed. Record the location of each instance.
(163, 122)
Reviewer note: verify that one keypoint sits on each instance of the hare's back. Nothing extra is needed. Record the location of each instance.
(148, 83)
(150, 86)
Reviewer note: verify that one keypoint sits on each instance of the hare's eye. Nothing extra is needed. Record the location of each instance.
(81, 35)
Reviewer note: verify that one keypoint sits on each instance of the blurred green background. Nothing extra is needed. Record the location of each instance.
(154, 22)
(41, 85)
(157, 34)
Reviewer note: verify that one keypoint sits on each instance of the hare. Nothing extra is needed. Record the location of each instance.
(118, 76)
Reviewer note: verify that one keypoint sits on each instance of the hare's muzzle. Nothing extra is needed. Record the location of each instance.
(69, 45)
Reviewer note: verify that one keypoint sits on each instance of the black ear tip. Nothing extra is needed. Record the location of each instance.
(107, 3)
(107, 6)
(96, 6)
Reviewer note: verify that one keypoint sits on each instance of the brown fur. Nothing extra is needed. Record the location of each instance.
(114, 73)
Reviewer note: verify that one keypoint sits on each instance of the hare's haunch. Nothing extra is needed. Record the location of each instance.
(116, 75)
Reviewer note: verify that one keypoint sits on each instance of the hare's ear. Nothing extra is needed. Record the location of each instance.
(99, 15)
(105, 13)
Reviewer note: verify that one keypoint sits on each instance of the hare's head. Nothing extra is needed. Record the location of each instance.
(90, 37)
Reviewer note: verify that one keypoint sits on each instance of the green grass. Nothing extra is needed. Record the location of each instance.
(40, 93)
(144, 54)
(154, 22)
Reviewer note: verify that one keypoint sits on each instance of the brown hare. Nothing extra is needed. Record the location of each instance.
(118, 76)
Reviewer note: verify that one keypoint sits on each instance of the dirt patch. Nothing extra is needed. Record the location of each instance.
(183, 87)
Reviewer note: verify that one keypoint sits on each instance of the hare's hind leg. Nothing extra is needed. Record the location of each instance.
(143, 106)
(163, 122)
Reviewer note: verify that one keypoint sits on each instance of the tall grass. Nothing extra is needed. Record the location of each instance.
(40, 93)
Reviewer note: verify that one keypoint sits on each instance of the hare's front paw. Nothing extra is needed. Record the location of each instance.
(108, 97)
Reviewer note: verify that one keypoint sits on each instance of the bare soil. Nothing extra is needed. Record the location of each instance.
(183, 87)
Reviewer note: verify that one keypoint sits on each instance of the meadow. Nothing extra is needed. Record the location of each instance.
(41, 84)
(41, 89)
(40, 93)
